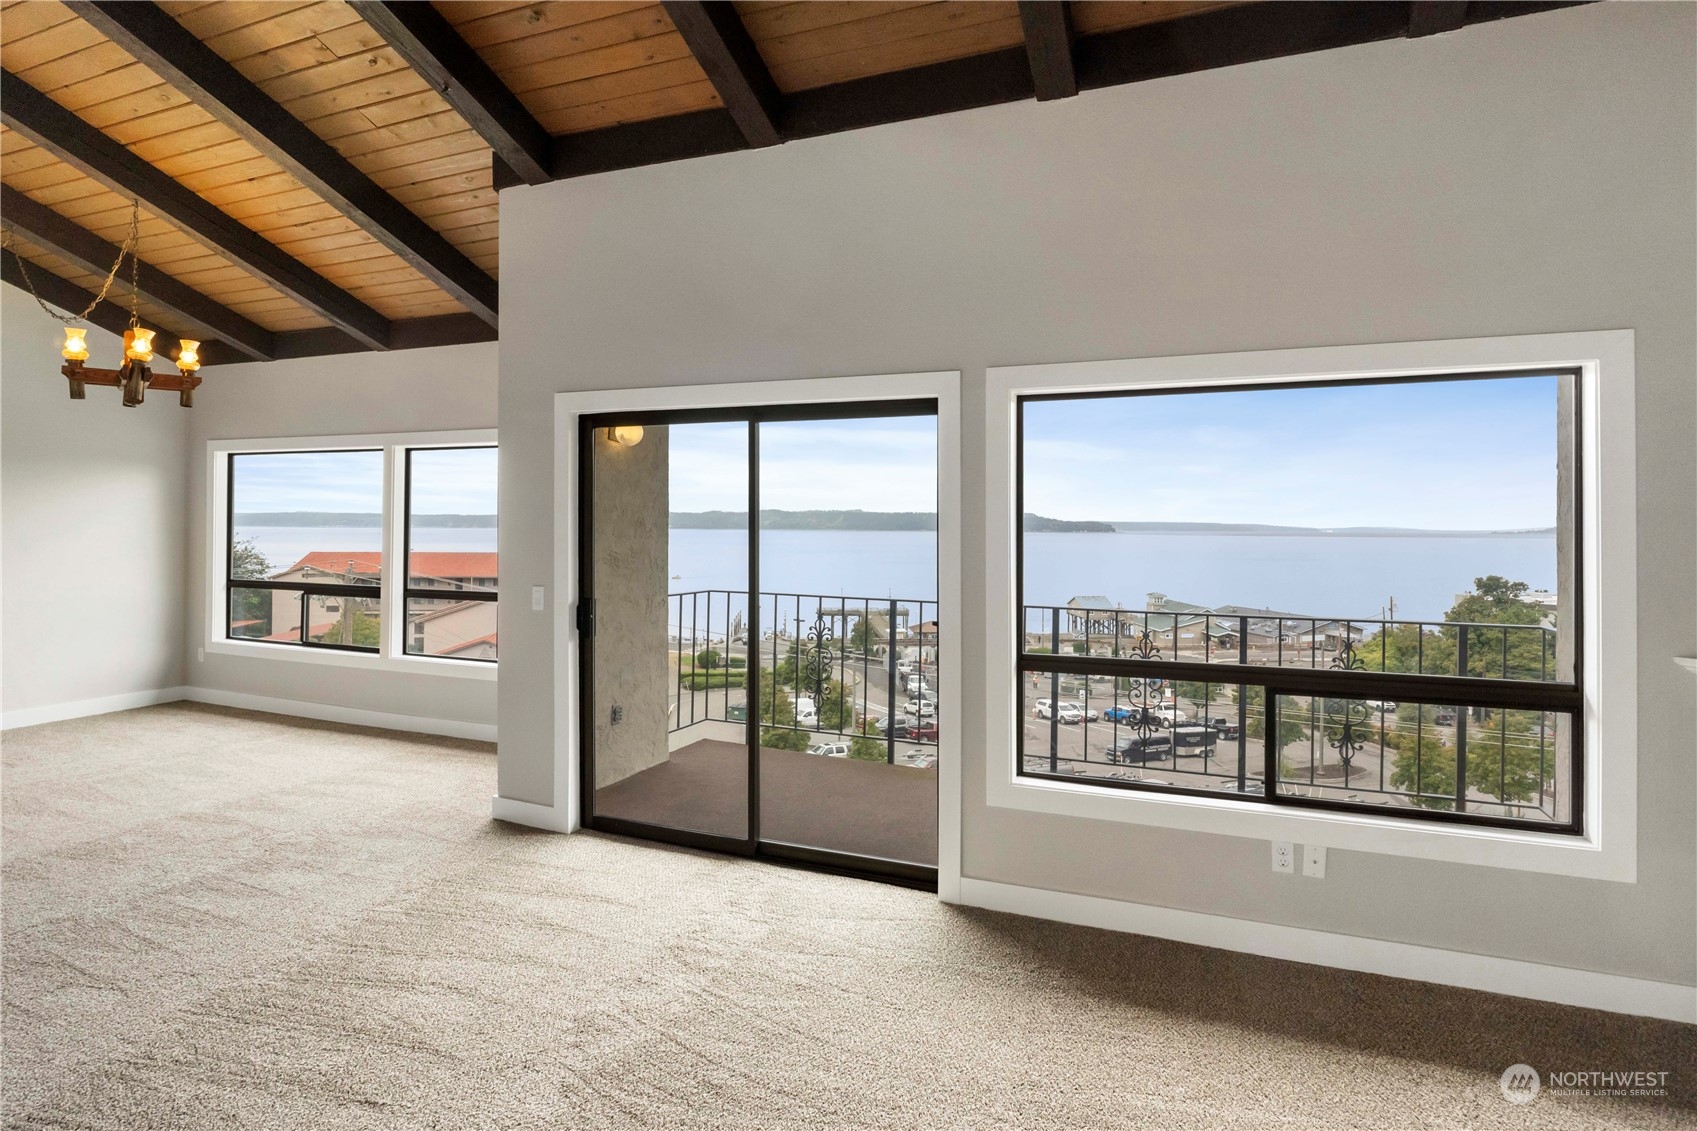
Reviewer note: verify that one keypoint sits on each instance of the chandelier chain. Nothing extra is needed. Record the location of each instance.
(128, 249)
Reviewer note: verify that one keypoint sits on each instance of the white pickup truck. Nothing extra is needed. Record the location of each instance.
(829, 749)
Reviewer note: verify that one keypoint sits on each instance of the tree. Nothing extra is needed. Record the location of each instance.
(866, 747)
(862, 637)
(1293, 716)
(1505, 759)
(836, 710)
(1424, 769)
(1500, 653)
(1199, 693)
(253, 605)
(247, 562)
(777, 709)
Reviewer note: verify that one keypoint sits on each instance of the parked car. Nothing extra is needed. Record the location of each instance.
(1135, 748)
(829, 749)
(1444, 718)
(1120, 714)
(1068, 713)
(1226, 727)
(920, 708)
(908, 730)
(1381, 706)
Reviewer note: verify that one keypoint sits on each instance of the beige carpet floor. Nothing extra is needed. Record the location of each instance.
(219, 919)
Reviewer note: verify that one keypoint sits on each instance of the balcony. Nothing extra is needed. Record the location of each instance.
(848, 723)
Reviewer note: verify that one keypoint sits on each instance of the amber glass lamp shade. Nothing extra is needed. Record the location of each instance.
(76, 346)
(188, 359)
(138, 344)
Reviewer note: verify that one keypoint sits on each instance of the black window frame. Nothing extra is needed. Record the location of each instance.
(1457, 691)
(410, 592)
(306, 589)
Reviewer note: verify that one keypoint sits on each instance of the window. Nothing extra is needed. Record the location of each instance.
(374, 550)
(306, 548)
(452, 578)
(1354, 596)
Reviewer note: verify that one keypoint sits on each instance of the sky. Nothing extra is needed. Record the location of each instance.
(873, 465)
(1452, 455)
(444, 481)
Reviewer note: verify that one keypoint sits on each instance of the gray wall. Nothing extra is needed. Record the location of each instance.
(92, 505)
(411, 391)
(1529, 176)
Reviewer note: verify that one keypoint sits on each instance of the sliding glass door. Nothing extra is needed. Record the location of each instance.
(760, 632)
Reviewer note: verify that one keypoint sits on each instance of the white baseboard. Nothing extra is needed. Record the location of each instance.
(531, 814)
(330, 713)
(354, 716)
(81, 708)
(1561, 984)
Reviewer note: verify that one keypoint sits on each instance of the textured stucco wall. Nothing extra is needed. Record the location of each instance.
(630, 555)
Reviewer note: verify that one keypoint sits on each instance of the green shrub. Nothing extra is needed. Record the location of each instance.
(701, 681)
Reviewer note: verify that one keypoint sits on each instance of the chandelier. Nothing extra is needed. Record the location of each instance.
(134, 376)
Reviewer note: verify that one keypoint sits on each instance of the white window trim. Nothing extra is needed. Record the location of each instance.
(391, 655)
(568, 407)
(1607, 486)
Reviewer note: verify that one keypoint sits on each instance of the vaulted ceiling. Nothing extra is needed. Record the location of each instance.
(318, 176)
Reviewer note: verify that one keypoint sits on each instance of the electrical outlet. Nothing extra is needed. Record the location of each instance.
(1314, 861)
(618, 715)
(1284, 856)
(538, 598)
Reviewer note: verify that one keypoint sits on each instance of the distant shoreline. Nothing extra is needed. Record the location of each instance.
(890, 521)
(1039, 524)
(348, 520)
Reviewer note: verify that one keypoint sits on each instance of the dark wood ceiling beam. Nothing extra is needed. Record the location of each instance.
(46, 228)
(1429, 17)
(1048, 45)
(1217, 38)
(90, 151)
(108, 315)
(721, 44)
(176, 55)
(431, 46)
(405, 334)
(1225, 37)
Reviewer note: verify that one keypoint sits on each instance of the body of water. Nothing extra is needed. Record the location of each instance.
(283, 546)
(1323, 576)
(1317, 575)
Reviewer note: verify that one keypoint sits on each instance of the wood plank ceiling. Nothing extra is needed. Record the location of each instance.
(319, 176)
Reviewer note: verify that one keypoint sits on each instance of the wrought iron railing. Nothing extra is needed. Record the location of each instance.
(1403, 647)
(826, 667)
(1358, 710)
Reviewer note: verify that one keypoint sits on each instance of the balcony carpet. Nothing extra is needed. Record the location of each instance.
(221, 919)
(867, 808)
